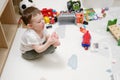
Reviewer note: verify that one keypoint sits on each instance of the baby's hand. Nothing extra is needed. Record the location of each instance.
(51, 40)
(55, 36)
(57, 43)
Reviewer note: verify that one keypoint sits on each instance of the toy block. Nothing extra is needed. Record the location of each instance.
(90, 14)
(115, 30)
(111, 22)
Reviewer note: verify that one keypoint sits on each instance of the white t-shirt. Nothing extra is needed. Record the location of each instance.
(29, 38)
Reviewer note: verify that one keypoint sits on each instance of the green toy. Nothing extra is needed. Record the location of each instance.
(114, 29)
(111, 22)
(73, 5)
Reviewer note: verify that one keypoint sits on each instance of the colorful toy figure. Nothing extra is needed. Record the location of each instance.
(47, 12)
(52, 20)
(82, 29)
(50, 15)
(86, 39)
(73, 5)
(46, 19)
(79, 18)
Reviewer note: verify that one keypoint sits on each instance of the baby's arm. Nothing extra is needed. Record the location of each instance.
(40, 48)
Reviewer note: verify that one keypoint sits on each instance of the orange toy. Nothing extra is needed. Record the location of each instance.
(79, 17)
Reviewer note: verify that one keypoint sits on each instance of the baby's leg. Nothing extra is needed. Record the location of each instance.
(50, 49)
(30, 55)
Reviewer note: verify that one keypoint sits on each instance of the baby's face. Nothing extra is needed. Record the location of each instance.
(38, 22)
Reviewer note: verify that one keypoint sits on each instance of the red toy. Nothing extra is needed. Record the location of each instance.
(86, 39)
(52, 20)
(47, 12)
(50, 13)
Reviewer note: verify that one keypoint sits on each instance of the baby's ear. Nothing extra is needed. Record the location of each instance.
(29, 26)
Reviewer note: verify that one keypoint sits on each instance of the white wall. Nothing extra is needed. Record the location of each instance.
(97, 3)
(62, 4)
(55, 4)
(116, 3)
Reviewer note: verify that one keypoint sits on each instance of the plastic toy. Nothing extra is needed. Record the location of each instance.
(47, 12)
(49, 15)
(96, 45)
(82, 29)
(25, 4)
(48, 26)
(114, 29)
(85, 23)
(73, 5)
(103, 11)
(111, 22)
(86, 39)
(90, 14)
(66, 17)
(52, 20)
(79, 18)
(46, 19)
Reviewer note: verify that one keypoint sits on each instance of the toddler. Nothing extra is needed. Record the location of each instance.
(35, 40)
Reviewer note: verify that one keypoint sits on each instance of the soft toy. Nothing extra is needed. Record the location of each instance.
(50, 15)
(73, 5)
(25, 4)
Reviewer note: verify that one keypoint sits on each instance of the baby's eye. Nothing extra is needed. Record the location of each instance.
(39, 22)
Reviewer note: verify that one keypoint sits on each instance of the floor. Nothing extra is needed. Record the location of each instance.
(70, 61)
